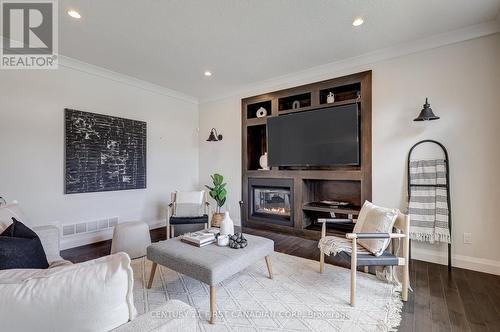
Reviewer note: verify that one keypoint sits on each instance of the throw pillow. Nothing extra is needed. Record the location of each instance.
(21, 248)
(361, 218)
(9, 211)
(376, 219)
(96, 295)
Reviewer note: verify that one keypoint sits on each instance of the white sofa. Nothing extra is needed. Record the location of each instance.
(161, 319)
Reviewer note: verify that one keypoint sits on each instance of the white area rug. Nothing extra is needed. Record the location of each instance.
(297, 299)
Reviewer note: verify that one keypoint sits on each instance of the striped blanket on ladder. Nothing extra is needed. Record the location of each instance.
(428, 206)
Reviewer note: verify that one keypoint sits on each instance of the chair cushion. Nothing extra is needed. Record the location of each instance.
(21, 248)
(188, 220)
(375, 219)
(370, 260)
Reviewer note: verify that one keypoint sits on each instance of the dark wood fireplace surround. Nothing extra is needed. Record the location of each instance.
(351, 184)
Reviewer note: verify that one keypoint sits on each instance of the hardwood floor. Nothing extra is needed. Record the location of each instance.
(461, 301)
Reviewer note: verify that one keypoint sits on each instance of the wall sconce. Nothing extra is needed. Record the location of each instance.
(214, 136)
(426, 113)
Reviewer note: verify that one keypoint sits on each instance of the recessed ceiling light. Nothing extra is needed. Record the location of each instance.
(207, 73)
(74, 14)
(357, 22)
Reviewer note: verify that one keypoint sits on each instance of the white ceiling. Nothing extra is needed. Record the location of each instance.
(172, 42)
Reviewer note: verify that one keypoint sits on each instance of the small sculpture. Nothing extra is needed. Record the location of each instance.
(296, 104)
(263, 162)
(261, 112)
(330, 98)
(237, 241)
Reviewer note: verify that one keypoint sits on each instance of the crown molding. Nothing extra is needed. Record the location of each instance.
(343, 66)
(73, 64)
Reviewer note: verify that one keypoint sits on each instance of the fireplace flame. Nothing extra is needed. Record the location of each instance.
(281, 211)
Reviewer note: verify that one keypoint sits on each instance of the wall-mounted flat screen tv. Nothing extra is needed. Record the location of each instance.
(324, 137)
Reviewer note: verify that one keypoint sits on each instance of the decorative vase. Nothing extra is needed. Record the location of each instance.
(261, 112)
(263, 162)
(227, 225)
(216, 219)
(330, 98)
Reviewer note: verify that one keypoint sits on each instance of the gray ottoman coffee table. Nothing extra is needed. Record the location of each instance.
(210, 264)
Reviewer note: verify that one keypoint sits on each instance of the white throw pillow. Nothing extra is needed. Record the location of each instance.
(375, 219)
(361, 218)
(92, 296)
(9, 211)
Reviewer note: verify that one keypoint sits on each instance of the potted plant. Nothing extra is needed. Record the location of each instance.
(218, 192)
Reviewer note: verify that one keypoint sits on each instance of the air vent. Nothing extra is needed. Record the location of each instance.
(68, 230)
(103, 224)
(92, 226)
(89, 226)
(81, 228)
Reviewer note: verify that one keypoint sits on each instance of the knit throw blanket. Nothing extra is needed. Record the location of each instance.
(428, 206)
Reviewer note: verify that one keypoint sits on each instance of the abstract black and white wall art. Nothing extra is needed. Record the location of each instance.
(103, 153)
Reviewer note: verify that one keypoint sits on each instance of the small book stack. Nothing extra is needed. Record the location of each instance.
(199, 239)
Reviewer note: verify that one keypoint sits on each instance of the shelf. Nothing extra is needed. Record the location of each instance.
(320, 106)
(343, 102)
(257, 121)
(346, 175)
(287, 103)
(252, 109)
(295, 110)
(332, 228)
(347, 210)
(341, 93)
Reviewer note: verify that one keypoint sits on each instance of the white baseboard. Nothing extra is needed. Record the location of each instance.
(461, 261)
(78, 240)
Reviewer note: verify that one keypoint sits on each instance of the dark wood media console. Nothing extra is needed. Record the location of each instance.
(305, 185)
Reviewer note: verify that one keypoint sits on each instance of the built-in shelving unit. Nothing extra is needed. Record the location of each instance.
(310, 184)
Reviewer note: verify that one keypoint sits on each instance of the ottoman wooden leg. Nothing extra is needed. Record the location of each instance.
(212, 304)
(152, 275)
(269, 267)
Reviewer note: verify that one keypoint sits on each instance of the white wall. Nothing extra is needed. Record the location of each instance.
(462, 81)
(32, 136)
(224, 156)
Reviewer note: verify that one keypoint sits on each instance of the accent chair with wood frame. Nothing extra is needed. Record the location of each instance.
(366, 259)
(200, 210)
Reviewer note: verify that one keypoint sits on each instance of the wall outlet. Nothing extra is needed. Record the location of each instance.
(468, 238)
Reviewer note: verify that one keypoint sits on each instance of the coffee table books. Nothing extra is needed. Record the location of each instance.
(200, 238)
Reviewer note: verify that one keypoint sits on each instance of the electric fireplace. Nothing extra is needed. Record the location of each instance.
(271, 200)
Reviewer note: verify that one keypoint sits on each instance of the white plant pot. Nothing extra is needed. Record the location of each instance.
(227, 225)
